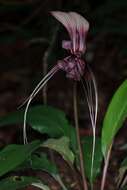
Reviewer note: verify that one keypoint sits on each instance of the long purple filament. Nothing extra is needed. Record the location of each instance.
(33, 94)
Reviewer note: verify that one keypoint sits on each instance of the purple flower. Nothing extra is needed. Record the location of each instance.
(77, 28)
(73, 65)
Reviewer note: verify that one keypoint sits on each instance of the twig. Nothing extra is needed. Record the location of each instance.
(85, 187)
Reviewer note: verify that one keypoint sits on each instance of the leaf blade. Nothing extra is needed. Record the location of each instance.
(44, 119)
(13, 155)
(115, 116)
(16, 182)
(61, 146)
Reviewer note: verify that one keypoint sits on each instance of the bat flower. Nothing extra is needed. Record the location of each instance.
(77, 27)
(74, 66)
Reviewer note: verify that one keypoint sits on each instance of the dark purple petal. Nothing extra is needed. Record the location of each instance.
(65, 19)
(77, 27)
(73, 66)
(82, 27)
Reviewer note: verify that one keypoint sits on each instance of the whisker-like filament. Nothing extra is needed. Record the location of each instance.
(91, 95)
(90, 99)
(95, 94)
(93, 122)
(40, 85)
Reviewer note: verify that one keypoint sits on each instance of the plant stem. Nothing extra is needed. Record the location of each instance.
(85, 187)
(105, 168)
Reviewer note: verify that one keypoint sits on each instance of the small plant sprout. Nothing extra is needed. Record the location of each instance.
(75, 68)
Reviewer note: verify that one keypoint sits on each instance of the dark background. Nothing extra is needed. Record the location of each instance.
(30, 39)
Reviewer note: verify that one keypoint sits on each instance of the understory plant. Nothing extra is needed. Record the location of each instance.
(84, 156)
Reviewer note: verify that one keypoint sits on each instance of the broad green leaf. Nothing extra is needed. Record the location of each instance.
(61, 146)
(42, 163)
(39, 162)
(16, 182)
(87, 144)
(44, 119)
(13, 155)
(115, 116)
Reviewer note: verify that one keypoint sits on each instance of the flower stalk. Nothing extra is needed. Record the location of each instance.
(85, 187)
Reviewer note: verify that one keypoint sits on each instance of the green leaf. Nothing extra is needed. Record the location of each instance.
(16, 182)
(14, 155)
(115, 116)
(87, 145)
(44, 119)
(40, 162)
(61, 146)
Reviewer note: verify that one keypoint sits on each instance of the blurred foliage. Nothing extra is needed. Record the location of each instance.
(16, 182)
